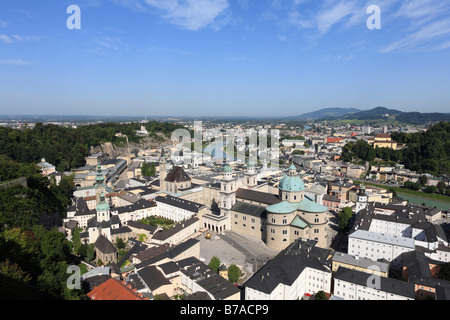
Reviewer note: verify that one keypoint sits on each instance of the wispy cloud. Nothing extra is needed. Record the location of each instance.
(17, 38)
(5, 38)
(3, 23)
(427, 26)
(193, 14)
(423, 38)
(15, 62)
(336, 13)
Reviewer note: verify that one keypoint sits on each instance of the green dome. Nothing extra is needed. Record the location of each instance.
(227, 168)
(291, 183)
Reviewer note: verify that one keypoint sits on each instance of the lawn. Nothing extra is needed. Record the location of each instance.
(158, 221)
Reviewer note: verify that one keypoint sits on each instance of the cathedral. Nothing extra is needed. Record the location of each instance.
(277, 219)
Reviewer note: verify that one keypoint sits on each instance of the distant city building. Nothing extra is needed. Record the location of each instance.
(46, 168)
(383, 140)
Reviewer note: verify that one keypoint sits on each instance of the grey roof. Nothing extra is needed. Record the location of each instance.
(258, 196)
(390, 285)
(90, 283)
(104, 245)
(136, 282)
(152, 252)
(419, 269)
(166, 252)
(383, 238)
(139, 205)
(166, 234)
(249, 209)
(143, 226)
(120, 230)
(169, 267)
(289, 264)
(400, 214)
(153, 278)
(360, 261)
(209, 280)
(180, 203)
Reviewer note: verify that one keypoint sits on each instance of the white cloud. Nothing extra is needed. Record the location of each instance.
(5, 38)
(192, 14)
(15, 62)
(427, 26)
(16, 38)
(327, 18)
(422, 37)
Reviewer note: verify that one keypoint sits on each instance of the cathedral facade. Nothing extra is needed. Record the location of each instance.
(278, 220)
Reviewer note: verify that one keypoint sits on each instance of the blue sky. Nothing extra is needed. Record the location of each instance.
(222, 57)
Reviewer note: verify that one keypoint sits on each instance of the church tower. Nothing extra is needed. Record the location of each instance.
(100, 185)
(101, 223)
(162, 171)
(250, 176)
(227, 191)
(361, 201)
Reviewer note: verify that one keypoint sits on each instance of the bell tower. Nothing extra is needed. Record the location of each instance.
(162, 171)
(250, 176)
(227, 191)
(361, 202)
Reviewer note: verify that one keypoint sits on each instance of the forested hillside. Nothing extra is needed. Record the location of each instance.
(66, 148)
(425, 152)
(34, 256)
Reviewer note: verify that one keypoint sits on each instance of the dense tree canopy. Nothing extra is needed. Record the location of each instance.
(425, 152)
(65, 147)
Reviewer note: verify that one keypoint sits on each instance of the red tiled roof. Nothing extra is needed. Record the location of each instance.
(333, 140)
(113, 289)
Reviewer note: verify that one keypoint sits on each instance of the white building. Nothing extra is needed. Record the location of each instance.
(356, 285)
(177, 209)
(376, 246)
(299, 269)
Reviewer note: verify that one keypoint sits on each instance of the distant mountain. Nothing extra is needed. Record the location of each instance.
(376, 113)
(382, 113)
(326, 113)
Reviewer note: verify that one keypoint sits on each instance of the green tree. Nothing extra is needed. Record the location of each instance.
(344, 217)
(441, 186)
(320, 295)
(145, 170)
(431, 189)
(214, 264)
(234, 273)
(120, 244)
(423, 180)
(90, 255)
